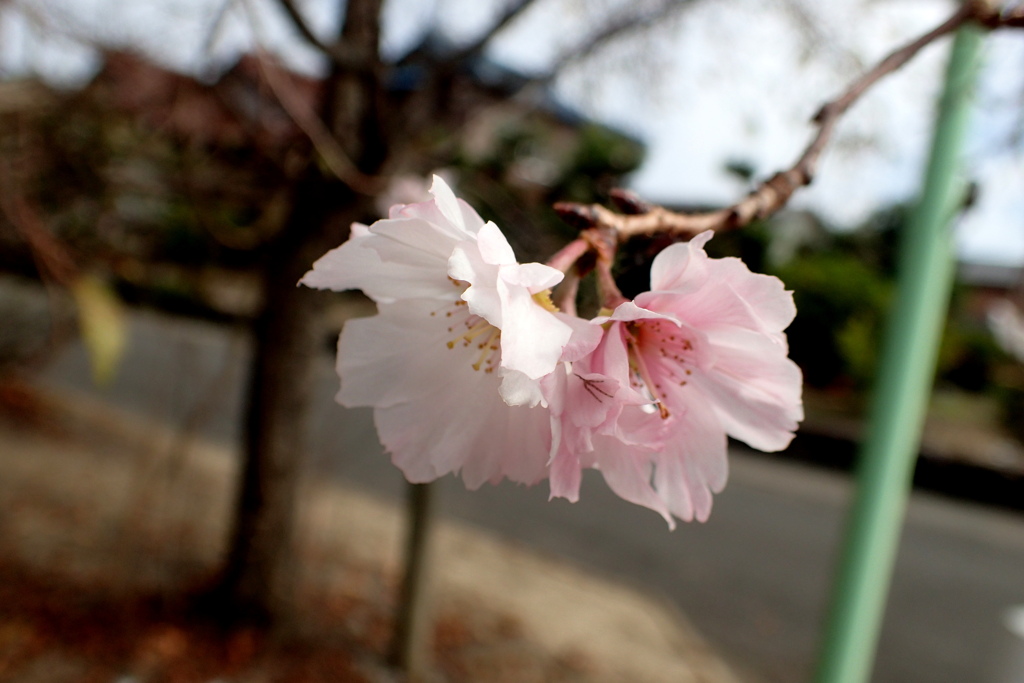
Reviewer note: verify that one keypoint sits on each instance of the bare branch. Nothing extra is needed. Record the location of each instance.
(614, 29)
(53, 260)
(774, 193)
(308, 121)
(300, 24)
(336, 52)
(816, 40)
(217, 26)
(310, 124)
(507, 17)
(893, 62)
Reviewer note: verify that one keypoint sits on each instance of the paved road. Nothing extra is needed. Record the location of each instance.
(754, 579)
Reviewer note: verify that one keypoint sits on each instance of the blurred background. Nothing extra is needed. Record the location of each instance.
(174, 474)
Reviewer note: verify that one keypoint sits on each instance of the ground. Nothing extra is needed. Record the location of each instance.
(110, 523)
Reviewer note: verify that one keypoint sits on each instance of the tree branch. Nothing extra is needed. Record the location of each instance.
(326, 145)
(309, 123)
(507, 17)
(336, 52)
(775, 192)
(607, 33)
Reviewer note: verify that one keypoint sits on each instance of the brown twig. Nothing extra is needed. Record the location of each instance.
(310, 124)
(604, 35)
(336, 52)
(483, 40)
(775, 192)
(52, 257)
(325, 144)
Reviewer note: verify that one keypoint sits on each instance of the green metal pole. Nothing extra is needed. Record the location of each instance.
(902, 388)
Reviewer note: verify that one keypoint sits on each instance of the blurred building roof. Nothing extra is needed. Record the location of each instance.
(991, 276)
(238, 108)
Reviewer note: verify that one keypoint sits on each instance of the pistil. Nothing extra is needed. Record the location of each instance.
(636, 359)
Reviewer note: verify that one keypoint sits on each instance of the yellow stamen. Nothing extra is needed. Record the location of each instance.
(472, 333)
(544, 299)
(487, 349)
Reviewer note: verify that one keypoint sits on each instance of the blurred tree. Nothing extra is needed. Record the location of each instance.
(154, 177)
(379, 119)
(842, 303)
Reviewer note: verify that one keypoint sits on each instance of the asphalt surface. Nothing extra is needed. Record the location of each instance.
(754, 579)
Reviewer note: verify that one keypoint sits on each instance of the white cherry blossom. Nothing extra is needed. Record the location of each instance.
(452, 362)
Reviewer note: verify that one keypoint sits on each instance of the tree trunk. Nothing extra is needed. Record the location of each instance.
(288, 335)
(257, 580)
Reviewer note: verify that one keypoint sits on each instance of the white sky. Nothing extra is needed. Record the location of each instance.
(727, 80)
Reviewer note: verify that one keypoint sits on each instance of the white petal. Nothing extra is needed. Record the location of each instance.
(519, 390)
(434, 412)
(467, 264)
(469, 428)
(494, 248)
(390, 260)
(446, 202)
(535, 277)
(398, 355)
(532, 338)
(395, 238)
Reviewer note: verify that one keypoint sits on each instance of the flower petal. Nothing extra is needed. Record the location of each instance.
(532, 338)
(494, 248)
(447, 203)
(629, 473)
(399, 355)
(681, 266)
(535, 277)
(468, 429)
(755, 390)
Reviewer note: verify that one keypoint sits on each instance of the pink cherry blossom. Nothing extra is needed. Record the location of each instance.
(452, 362)
(700, 356)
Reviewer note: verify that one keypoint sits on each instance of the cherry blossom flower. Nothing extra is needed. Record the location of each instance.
(452, 362)
(470, 368)
(700, 356)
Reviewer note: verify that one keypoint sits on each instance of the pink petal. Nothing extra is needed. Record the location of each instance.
(628, 311)
(565, 475)
(681, 266)
(755, 390)
(764, 294)
(694, 463)
(628, 473)
(585, 337)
